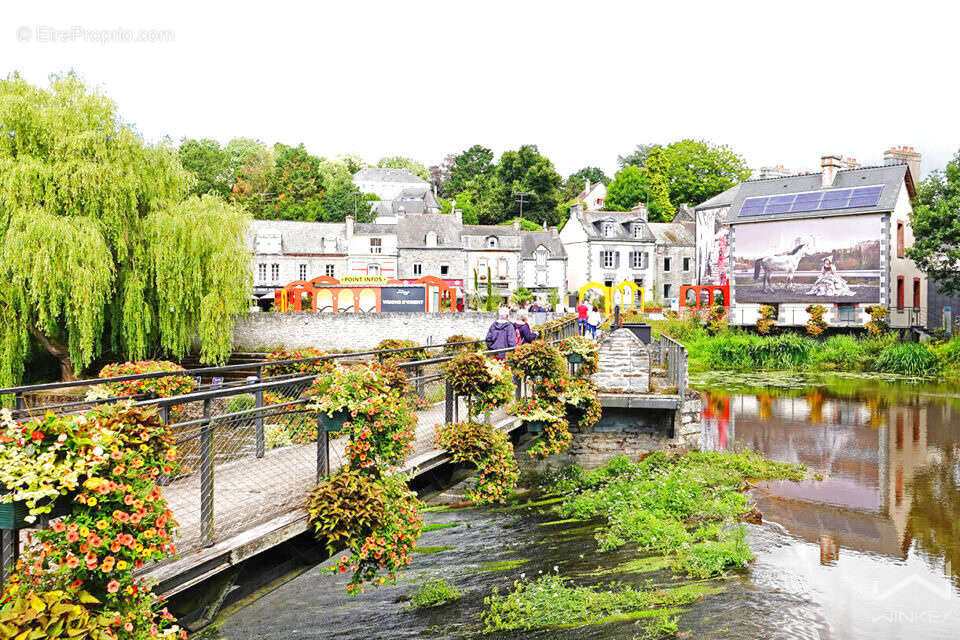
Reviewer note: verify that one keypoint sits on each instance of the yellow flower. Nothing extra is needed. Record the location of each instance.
(121, 565)
(92, 483)
(84, 531)
(91, 502)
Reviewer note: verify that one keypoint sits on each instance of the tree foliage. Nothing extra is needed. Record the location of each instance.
(936, 227)
(629, 187)
(527, 171)
(210, 165)
(656, 174)
(576, 182)
(400, 162)
(475, 162)
(97, 241)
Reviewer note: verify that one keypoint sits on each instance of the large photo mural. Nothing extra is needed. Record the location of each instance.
(713, 255)
(828, 260)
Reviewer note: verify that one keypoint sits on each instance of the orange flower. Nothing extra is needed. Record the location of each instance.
(73, 562)
(59, 527)
(113, 586)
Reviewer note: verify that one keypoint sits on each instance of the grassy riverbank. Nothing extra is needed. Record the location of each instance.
(737, 350)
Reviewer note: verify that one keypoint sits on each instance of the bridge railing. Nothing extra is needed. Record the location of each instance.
(673, 359)
(250, 449)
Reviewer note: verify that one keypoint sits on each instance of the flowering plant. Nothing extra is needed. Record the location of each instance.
(164, 387)
(585, 347)
(816, 324)
(377, 518)
(490, 450)
(296, 427)
(717, 319)
(400, 356)
(458, 342)
(487, 381)
(42, 459)
(120, 521)
(767, 322)
(878, 320)
(305, 366)
(537, 360)
(556, 432)
(581, 397)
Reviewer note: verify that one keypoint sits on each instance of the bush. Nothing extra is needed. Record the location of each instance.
(309, 367)
(457, 343)
(487, 381)
(402, 356)
(537, 360)
(816, 325)
(490, 450)
(165, 387)
(908, 358)
(767, 322)
(434, 593)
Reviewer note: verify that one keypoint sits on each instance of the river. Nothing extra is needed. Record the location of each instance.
(871, 550)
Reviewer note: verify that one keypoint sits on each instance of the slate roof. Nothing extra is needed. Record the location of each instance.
(371, 228)
(670, 233)
(375, 174)
(412, 231)
(623, 229)
(300, 237)
(723, 199)
(892, 178)
(475, 236)
(549, 239)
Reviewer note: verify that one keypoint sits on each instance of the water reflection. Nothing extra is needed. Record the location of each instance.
(888, 506)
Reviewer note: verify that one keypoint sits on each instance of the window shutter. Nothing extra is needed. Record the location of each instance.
(630, 259)
(616, 260)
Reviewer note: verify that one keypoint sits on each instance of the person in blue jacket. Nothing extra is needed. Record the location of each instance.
(501, 334)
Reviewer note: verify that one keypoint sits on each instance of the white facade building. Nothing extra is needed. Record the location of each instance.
(387, 184)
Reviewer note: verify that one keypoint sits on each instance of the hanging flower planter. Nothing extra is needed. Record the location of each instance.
(13, 514)
(334, 423)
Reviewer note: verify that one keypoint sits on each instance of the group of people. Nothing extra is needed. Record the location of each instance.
(504, 334)
(588, 319)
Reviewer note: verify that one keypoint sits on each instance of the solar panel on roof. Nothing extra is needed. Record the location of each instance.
(811, 201)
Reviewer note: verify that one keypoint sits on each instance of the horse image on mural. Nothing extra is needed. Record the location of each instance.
(812, 260)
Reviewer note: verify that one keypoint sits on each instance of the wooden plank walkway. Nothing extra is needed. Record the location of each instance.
(259, 502)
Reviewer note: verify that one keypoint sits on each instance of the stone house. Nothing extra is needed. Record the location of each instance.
(412, 201)
(593, 196)
(387, 184)
(495, 251)
(431, 245)
(372, 249)
(283, 251)
(543, 263)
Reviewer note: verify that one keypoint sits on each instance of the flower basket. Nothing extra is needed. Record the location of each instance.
(334, 423)
(574, 358)
(535, 426)
(13, 514)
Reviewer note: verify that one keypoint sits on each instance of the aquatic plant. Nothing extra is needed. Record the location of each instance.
(909, 358)
(434, 593)
(487, 448)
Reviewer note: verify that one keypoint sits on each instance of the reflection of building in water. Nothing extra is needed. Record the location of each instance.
(863, 501)
(717, 422)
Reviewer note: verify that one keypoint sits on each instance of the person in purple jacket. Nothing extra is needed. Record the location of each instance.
(524, 332)
(501, 334)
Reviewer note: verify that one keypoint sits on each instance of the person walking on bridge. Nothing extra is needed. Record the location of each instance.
(582, 312)
(501, 334)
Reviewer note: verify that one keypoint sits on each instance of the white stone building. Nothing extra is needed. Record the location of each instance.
(387, 184)
(372, 249)
(283, 251)
(593, 196)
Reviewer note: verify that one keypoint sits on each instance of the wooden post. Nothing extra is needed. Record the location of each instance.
(206, 477)
(323, 449)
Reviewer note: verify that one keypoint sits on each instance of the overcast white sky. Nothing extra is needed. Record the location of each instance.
(779, 82)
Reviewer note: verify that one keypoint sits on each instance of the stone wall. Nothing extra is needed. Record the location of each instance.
(356, 331)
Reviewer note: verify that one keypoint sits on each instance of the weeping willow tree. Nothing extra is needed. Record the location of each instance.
(99, 248)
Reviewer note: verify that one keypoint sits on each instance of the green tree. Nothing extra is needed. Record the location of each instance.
(253, 178)
(475, 162)
(656, 174)
(399, 162)
(527, 171)
(295, 191)
(344, 199)
(936, 227)
(97, 242)
(637, 157)
(522, 297)
(628, 188)
(210, 166)
(240, 150)
(699, 170)
(481, 200)
(575, 183)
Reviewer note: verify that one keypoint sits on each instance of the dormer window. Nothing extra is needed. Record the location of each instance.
(541, 256)
(608, 229)
(431, 238)
(492, 242)
(637, 231)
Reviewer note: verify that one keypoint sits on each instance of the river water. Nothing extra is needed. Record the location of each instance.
(871, 550)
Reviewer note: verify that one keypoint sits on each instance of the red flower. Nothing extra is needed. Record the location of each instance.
(37, 435)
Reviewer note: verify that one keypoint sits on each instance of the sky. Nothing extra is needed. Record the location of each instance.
(780, 83)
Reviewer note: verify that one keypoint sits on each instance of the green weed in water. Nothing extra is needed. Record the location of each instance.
(434, 593)
(427, 550)
(438, 527)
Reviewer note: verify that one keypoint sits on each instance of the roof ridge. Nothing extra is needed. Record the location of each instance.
(820, 173)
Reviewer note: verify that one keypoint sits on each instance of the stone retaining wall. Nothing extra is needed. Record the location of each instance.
(357, 331)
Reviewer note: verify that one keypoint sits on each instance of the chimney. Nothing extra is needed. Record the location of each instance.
(640, 210)
(516, 224)
(586, 189)
(904, 155)
(829, 165)
(576, 209)
(349, 222)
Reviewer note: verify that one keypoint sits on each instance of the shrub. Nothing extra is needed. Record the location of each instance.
(306, 367)
(717, 319)
(457, 343)
(487, 381)
(165, 387)
(401, 356)
(816, 324)
(877, 325)
(434, 593)
(487, 448)
(538, 361)
(378, 519)
(767, 322)
(908, 358)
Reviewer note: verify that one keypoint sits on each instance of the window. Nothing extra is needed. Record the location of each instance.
(444, 268)
(606, 259)
(303, 272)
(636, 259)
(900, 246)
(666, 291)
(916, 293)
(666, 264)
(376, 245)
(262, 272)
(637, 231)
(373, 269)
(275, 272)
(608, 229)
(900, 292)
(847, 312)
(328, 270)
(492, 242)
(482, 267)
(503, 268)
(686, 264)
(541, 257)
(431, 238)
(418, 268)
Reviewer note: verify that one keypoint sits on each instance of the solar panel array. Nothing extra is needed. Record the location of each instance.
(812, 201)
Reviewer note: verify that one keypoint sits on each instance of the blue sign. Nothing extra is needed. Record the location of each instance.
(403, 299)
